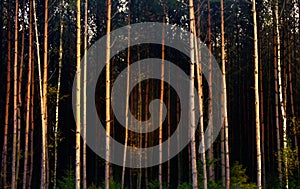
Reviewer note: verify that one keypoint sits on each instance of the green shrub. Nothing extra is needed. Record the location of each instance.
(239, 179)
(67, 181)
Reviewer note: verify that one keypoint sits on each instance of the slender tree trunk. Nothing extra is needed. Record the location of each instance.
(223, 59)
(108, 97)
(279, 165)
(257, 121)
(43, 160)
(28, 102)
(45, 169)
(20, 75)
(161, 97)
(127, 97)
(14, 158)
(31, 117)
(281, 100)
(200, 98)
(78, 96)
(58, 94)
(210, 106)
(84, 92)
(262, 123)
(192, 97)
(294, 127)
(8, 83)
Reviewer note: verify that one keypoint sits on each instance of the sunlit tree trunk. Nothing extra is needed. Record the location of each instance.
(45, 89)
(281, 100)
(14, 158)
(108, 95)
(191, 96)
(78, 96)
(85, 41)
(226, 137)
(200, 98)
(8, 83)
(31, 116)
(28, 102)
(279, 165)
(43, 160)
(161, 96)
(257, 121)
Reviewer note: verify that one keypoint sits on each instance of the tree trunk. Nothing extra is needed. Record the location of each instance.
(84, 92)
(78, 96)
(281, 100)
(210, 106)
(257, 121)
(8, 83)
(223, 59)
(279, 166)
(28, 102)
(127, 97)
(192, 97)
(31, 117)
(14, 158)
(161, 96)
(262, 123)
(45, 171)
(108, 97)
(200, 98)
(58, 94)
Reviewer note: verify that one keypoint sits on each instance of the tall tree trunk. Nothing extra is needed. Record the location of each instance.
(191, 96)
(45, 89)
(281, 100)
(78, 96)
(108, 95)
(200, 98)
(28, 102)
(43, 160)
(20, 75)
(8, 83)
(161, 96)
(14, 158)
(223, 59)
(61, 29)
(262, 123)
(211, 170)
(127, 97)
(84, 92)
(279, 165)
(257, 121)
(31, 115)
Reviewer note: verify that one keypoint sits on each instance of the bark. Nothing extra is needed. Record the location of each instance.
(210, 106)
(45, 169)
(78, 96)
(161, 97)
(8, 90)
(257, 120)
(108, 95)
(192, 97)
(84, 92)
(281, 98)
(58, 94)
(14, 158)
(279, 166)
(223, 60)
(28, 102)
